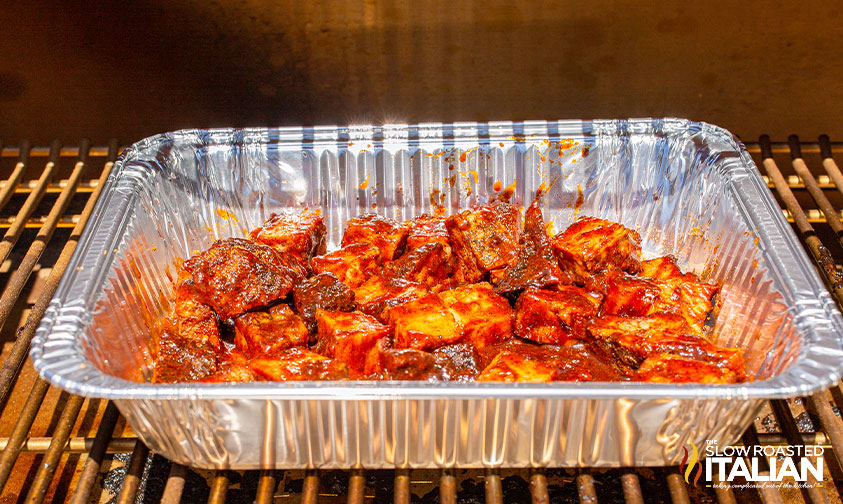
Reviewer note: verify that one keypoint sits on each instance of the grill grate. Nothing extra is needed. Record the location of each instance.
(61, 447)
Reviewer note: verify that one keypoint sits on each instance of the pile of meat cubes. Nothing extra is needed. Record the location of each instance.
(482, 295)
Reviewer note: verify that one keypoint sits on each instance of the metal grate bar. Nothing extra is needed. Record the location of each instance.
(20, 430)
(402, 487)
(632, 489)
(808, 147)
(356, 486)
(11, 366)
(815, 493)
(74, 445)
(447, 487)
(66, 151)
(132, 481)
(310, 489)
(48, 466)
(830, 423)
(724, 492)
(820, 253)
(832, 216)
(11, 183)
(266, 487)
(828, 163)
(96, 455)
(492, 484)
(219, 488)
(14, 361)
(175, 485)
(29, 206)
(678, 490)
(538, 488)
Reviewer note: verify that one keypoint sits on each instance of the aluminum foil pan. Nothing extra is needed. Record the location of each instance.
(689, 188)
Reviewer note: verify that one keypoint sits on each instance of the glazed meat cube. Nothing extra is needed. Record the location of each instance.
(426, 229)
(576, 362)
(388, 235)
(423, 324)
(299, 364)
(236, 275)
(641, 296)
(461, 361)
(269, 331)
(411, 364)
(536, 265)
(483, 317)
(554, 317)
(665, 268)
(631, 340)
(427, 264)
(377, 295)
(321, 292)
(351, 338)
(570, 362)
(233, 367)
(195, 321)
(670, 368)
(181, 359)
(488, 232)
(353, 264)
(512, 367)
(302, 234)
(466, 269)
(591, 245)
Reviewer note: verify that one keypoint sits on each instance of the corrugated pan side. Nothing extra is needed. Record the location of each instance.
(689, 188)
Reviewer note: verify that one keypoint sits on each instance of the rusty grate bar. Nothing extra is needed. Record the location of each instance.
(60, 442)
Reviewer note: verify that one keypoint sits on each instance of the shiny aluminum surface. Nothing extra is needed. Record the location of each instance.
(689, 188)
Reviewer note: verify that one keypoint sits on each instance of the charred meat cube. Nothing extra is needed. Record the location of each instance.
(233, 367)
(321, 292)
(427, 264)
(269, 331)
(377, 295)
(351, 338)
(352, 264)
(488, 232)
(631, 340)
(411, 364)
(236, 275)
(181, 359)
(299, 364)
(388, 235)
(426, 229)
(634, 296)
(195, 321)
(423, 324)
(509, 366)
(302, 234)
(461, 361)
(483, 317)
(536, 265)
(554, 317)
(670, 368)
(591, 245)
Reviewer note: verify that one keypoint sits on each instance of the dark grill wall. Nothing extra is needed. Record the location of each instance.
(131, 69)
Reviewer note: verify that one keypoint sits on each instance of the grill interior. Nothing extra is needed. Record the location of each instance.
(60, 447)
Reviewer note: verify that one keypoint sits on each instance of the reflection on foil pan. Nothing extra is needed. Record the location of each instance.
(689, 188)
